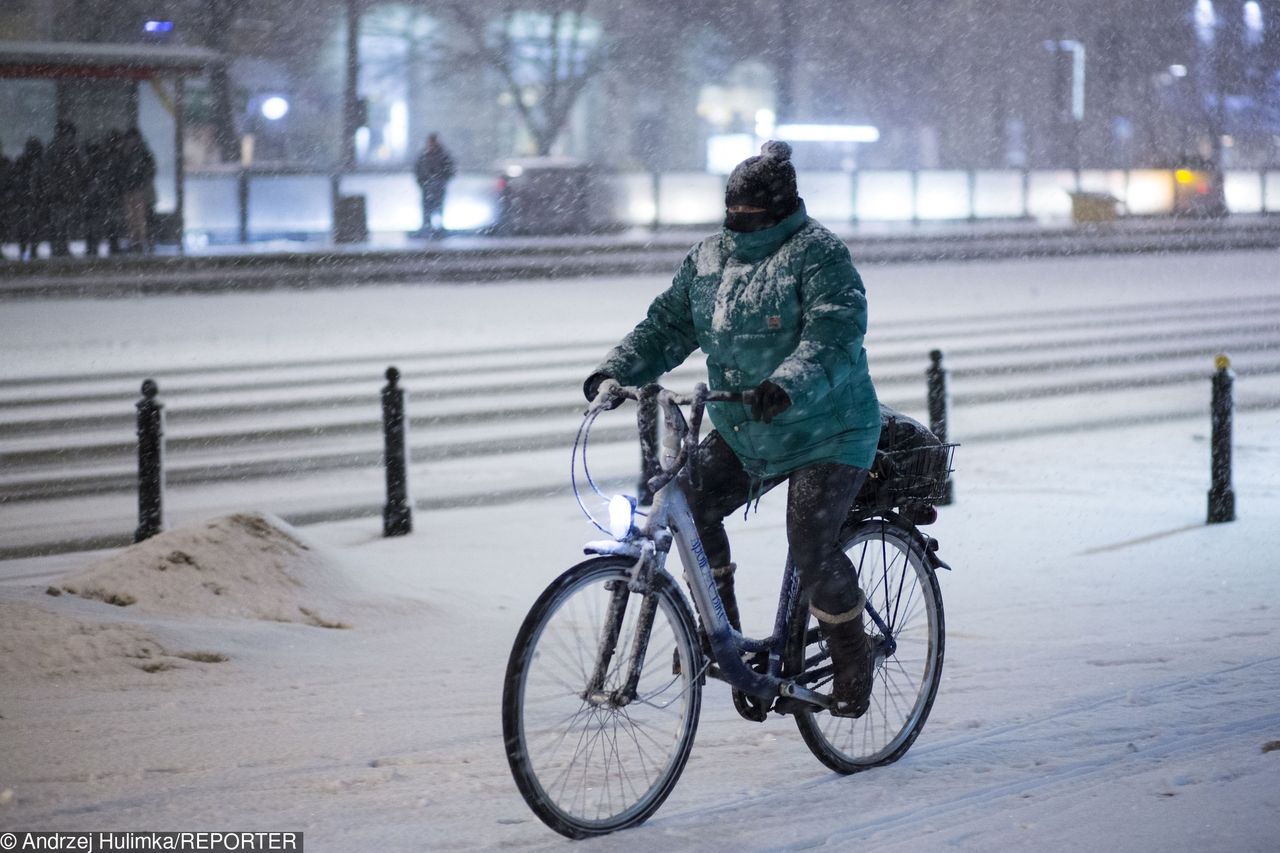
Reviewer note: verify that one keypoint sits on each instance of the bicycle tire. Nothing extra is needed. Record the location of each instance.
(537, 738)
(889, 556)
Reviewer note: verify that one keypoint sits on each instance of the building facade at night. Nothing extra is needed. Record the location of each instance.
(971, 84)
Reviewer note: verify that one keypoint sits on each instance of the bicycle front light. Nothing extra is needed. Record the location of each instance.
(622, 516)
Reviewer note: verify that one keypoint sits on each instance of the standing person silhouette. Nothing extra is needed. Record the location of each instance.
(137, 175)
(29, 199)
(65, 178)
(433, 169)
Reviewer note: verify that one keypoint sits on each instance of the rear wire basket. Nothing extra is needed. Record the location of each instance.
(915, 475)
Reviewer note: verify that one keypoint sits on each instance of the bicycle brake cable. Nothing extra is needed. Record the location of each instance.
(584, 430)
(582, 438)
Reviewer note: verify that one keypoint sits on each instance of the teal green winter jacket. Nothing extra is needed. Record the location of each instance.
(783, 304)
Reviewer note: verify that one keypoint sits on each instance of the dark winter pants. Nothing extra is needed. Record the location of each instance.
(818, 501)
(432, 207)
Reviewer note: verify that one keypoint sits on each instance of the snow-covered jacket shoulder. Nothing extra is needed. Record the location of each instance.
(784, 304)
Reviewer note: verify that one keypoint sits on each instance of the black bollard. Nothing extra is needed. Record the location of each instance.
(647, 421)
(150, 463)
(397, 515)
(937, 394)
(1222, 498)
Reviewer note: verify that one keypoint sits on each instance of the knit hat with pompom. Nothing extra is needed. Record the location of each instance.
(767, 180)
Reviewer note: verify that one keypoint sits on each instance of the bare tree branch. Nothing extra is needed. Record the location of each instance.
(553, 65)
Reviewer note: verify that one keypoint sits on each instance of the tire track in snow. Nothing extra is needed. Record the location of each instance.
(1112, 760)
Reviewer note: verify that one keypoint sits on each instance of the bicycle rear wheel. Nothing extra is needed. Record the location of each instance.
(585, 763)
(901, 588)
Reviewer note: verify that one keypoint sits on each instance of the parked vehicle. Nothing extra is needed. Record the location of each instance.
(1198, 190)
(548, 195)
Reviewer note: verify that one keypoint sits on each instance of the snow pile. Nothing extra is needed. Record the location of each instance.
(247, 565)
(37, 642)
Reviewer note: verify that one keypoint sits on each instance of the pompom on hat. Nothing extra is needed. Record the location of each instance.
(767, 180)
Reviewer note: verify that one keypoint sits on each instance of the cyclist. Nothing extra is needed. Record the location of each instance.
(774, 301)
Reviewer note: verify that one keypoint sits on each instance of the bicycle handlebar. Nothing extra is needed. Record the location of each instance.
(670, 402)
(610, 389)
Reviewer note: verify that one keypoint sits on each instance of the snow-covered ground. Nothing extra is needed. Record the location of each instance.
(1112, 677)
(287, 413)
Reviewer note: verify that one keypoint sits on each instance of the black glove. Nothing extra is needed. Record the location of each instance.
(591, 388)
(769, 402)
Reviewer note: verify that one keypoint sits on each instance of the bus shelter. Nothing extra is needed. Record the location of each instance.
(97, 87)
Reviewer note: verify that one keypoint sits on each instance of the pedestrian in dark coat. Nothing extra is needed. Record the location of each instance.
(29, 199)
(137, 170)
(114, 228)
(64, 185)
(95, 196)
(102, 199)
(433, 170)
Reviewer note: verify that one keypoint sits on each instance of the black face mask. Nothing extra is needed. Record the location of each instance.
(747, 222)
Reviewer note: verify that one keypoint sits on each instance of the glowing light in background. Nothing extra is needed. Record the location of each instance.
(765, 121)
(726, 150)
(1253, 24)
(885, 196)
(465, 214)
(1206, 20)
(396, 131)
(275, 108)
(1178, 70)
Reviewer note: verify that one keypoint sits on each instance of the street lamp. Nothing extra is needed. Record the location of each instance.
(1076, 51)
(274, 108)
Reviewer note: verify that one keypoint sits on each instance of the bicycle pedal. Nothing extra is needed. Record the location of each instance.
(749, 707)
(787, 705)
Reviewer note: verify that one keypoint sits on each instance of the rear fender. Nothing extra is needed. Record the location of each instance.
(927, 544)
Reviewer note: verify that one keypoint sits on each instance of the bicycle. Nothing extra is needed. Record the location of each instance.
(604, 684)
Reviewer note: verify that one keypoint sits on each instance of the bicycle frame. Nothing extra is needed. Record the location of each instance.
(671, 518)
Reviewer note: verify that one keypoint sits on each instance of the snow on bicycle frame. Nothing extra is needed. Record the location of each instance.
(671, 517)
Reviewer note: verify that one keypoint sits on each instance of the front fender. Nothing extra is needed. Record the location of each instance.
(612, 547)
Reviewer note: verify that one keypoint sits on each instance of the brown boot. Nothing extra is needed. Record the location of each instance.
(852, 661)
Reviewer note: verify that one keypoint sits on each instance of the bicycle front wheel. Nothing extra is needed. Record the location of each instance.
(589, 755)
(901, 588)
